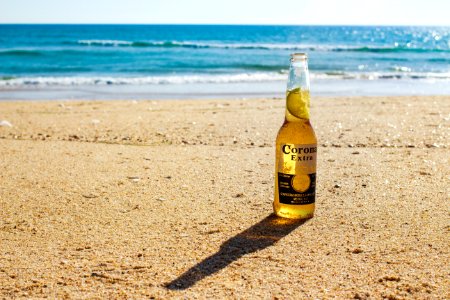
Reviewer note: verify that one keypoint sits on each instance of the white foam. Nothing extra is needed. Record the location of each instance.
(200, 44)
(211, 78)
(104, 42)
(175, 79)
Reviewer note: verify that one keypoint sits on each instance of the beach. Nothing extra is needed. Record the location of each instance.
(173, 199)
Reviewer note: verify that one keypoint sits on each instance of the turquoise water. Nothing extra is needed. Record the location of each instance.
(156, 58)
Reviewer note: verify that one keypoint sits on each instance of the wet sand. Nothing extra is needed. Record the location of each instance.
(172, 199)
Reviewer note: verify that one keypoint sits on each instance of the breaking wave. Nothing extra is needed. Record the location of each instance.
(251, 46)
(9, 81)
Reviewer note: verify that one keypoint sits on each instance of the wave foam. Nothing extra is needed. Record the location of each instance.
(175, 79)
(190, 79)
(262, 46)
(104, 43)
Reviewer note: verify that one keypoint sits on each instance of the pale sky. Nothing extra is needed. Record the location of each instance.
(295, 12)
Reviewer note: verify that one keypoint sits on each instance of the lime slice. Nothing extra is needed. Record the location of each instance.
(297, 103)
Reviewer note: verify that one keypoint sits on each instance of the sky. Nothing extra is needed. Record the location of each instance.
(292, 12)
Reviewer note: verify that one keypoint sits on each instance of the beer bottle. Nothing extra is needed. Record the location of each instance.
(296, 148)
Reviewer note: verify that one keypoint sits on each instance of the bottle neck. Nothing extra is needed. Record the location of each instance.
(297, 94)
(298, 75)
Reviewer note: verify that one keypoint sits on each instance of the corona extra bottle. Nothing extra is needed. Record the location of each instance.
(296, 148)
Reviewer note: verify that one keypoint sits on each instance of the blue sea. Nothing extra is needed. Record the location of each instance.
(191, 61)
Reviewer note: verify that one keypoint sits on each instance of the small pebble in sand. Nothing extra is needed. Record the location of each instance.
(432, 145)
(90, 196)
(5, 123)
(337, 186)
(94, 274)
(389, 278)
(161, 199)
(134, 178)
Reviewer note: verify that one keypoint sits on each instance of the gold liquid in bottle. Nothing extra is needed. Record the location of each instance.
(296, 148)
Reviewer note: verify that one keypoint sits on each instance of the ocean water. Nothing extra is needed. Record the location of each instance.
(154, 61)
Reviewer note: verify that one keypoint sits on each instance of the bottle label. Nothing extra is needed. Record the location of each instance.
(297, 173)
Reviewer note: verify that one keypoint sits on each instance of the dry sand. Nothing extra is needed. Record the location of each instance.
(172, 199)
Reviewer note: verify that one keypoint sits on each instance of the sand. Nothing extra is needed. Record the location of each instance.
(173, 199)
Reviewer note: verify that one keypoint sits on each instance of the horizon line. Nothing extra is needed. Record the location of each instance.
(224, 24)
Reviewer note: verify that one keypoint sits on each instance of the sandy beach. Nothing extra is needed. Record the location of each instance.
(173, 199)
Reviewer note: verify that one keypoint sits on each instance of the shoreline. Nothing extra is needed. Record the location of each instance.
(270, 89)
(171, 199)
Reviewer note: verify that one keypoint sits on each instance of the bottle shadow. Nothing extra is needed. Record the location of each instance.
(263, 234)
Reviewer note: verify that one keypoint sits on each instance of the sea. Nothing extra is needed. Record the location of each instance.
(218, 61)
